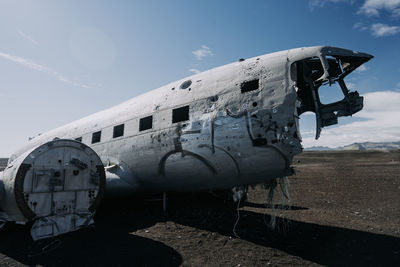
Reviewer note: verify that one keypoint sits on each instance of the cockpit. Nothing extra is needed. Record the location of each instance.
(329, 67)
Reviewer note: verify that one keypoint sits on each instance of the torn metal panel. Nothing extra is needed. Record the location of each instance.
(50, 226)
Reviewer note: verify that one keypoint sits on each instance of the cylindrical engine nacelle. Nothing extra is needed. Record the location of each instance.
(59, 185)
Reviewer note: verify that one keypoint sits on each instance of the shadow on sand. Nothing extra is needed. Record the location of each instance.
(276, 206)
(322, 244)
(109, 242)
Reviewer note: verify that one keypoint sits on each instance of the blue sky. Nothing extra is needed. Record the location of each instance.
(62, 60)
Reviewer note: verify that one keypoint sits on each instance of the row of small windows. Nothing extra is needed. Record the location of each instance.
(178, 114)
(146, 123)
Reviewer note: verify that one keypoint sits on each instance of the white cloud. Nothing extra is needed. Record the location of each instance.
(203, 52)
(32, 65)
(370, 8)
(381, 30)
(378, 29)
(312, 4)
(373, 7)
(360, 26)
(27, 37)
(351, 86)
(362, 68)
(195, 71)
(380, 123)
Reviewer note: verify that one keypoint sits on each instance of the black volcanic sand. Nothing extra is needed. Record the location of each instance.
(345, 210)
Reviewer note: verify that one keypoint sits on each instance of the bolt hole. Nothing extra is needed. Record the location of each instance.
(75, 172)
(213, 98)
(254, 104)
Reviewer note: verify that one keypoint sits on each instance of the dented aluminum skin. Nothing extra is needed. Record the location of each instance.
(243, 125)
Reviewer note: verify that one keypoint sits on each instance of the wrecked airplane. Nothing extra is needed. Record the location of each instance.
(227, 127)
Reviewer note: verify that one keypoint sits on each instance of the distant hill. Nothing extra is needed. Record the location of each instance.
(383, 146)
(318, 148)
(373, 146)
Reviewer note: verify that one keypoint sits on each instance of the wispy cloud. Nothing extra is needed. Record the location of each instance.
(360, 26)
(374, 7)
(195, 71)
(203, 52)
(380, 123)
(378, 29)
(49, 71)
(350, 86)
(370, 8)
(381, 30)
(362, 68)
(313, 4)
(27, 37)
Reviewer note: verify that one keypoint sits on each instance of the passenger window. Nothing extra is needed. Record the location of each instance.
(79, 139)
(249, 86)
(146, 123)
(118, 131)
(180, 114)
(96, 137)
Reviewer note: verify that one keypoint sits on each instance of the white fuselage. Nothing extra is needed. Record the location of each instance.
(232, 125)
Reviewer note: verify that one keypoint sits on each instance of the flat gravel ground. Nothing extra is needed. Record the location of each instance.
(344, 210)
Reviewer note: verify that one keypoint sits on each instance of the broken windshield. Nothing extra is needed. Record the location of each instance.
(319, 80)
